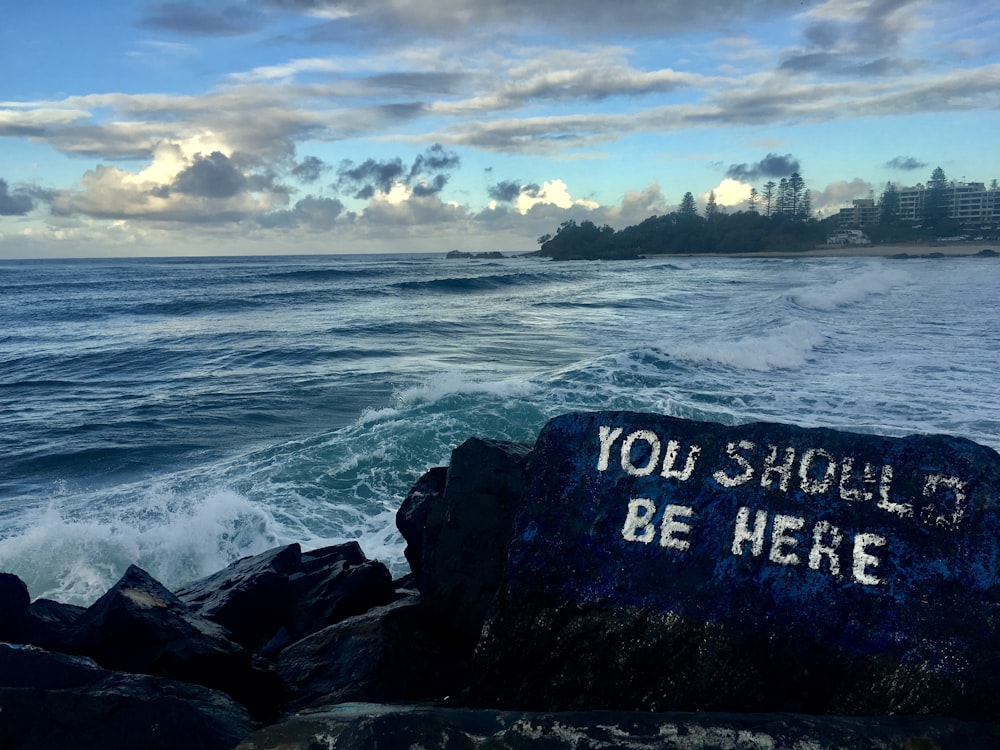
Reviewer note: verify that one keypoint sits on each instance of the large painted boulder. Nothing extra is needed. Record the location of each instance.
(662, 564)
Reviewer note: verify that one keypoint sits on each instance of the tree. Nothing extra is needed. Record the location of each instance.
(936, 199)
(769, 197)
(711, 207)
(753, 200)
(783, 200)
(796, 187)
(888, 205)
(688, 207)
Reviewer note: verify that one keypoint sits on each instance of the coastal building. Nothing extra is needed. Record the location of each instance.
(972, 204)
(862, 212)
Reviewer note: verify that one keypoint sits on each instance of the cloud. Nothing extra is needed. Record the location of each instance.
(771, 165)
(197, 20)
(858, 38)
(369, 177)
(16, 203)
(729, 192)
(506, 191)
(212, 176)
(348, 19)
(313, 213)
(373, 177)
(905, 163)
(310, 169)
(552, 192)
(839, 194)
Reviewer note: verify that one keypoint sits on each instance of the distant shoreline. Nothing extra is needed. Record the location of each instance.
(952, 249)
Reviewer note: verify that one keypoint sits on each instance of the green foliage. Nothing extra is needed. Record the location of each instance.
(686, 233)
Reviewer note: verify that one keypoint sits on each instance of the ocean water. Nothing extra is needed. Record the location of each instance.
(182, 413)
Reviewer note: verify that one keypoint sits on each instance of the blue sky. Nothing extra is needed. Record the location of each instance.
(300, 126)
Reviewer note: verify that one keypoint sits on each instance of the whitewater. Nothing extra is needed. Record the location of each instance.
(182, 413)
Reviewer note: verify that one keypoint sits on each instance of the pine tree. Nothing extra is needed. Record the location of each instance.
(711, 207)
(753, 200)
(769, 197)
(936, 199)
(688, 207)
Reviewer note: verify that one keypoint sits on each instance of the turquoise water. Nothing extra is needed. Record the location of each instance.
(181, 413)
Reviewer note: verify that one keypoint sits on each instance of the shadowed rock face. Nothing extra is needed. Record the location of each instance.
(659, 563)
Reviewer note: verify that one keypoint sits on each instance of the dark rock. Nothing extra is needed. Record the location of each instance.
(411, 518)
(53, 701)
(14, 601)
(386, 654)
(336, 584)
(663, 564)
(140, 626)
(49, 624)
(250, 597)
(370, 727)
(277, 597)
(467, 531)
(487, 255)
(988, 253)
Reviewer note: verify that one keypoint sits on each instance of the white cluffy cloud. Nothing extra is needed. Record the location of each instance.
(552, 192)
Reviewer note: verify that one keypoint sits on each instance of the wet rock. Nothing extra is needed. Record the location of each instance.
(54, 701)
(140, 626)
(662, 564)
(467, 530)
(390, 653)
(269, 600)
(368, 727)
(336, 583)
(250, 598)
(14, 601)
(49, 624)
(411, 518)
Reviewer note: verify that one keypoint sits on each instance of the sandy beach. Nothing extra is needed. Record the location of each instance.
(914, 250)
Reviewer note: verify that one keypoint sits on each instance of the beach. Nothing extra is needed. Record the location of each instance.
(951, 249)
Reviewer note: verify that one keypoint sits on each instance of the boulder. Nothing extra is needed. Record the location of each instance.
(369, 727)
(336, 583)
(390, 653)
(140, 626)
(411, 518)
(466, 532)
(665, 564)
(250, 598)
(49, 624)
(54, 701)
(269, 600)
(14, 601)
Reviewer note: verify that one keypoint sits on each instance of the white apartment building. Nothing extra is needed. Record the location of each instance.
(971, 203)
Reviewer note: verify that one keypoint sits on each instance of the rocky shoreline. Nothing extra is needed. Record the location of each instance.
(291, 649)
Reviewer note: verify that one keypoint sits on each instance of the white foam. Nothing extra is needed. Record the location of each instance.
(72, 557)
(850, 290)
(785, 347)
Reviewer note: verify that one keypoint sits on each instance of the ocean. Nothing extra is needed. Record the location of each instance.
(182, 413)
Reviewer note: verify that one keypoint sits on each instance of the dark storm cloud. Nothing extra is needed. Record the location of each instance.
(16, 203)
(435, 186)
(505, 191)
(905, 163)
(771, 165)
(309, 169)
(435, 159)
(364, 180)
(369, 177)
(198, 20)
(311, 213)
(212, 176)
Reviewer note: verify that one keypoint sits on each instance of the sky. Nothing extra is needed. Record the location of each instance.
(351, 126)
